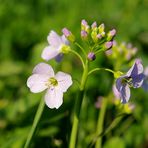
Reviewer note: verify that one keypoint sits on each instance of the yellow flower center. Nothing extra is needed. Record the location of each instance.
(51, 82)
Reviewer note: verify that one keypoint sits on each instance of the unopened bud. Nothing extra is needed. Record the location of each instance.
(68, 35)
(111, 34)
(91, 56)
(108, 45)
(84, 34)
(85, 26)
(94, 25)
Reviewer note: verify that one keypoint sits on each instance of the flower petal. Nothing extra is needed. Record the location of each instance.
(53, 98)
(54, 39)
(123, 90)
(36, 82)
(43, 68)
(49, 52)
(65, 41)
(64, 81)
(59, 57)
(136, 69)
(137, 80)
(125, 94)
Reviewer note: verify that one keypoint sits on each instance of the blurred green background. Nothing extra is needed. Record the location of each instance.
(24, 26)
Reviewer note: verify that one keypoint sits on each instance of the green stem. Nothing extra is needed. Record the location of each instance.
(80, 48)
(35, 122)
(100, 123)
(77, 54)
(77, 108)
(97, 69)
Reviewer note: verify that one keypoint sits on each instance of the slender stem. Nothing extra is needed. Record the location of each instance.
(35, 123)
(100, 123)
(77, 108)
(74, 52)
(97, 69)
(82, 49)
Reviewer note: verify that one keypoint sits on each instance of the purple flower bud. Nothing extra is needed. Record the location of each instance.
(91, 56)
(94, 25)
(99, 36)
(113, 32)
(108, 45)
(84, 22)
(84, 34)
(66, 32)
(108, 52)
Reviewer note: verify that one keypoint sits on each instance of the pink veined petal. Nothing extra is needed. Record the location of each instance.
(54, 39)
(36, 82)
(43, 68)
(49, 53)
(53, 98)
(64, 81)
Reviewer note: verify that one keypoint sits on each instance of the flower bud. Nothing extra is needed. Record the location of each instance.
(84, 34)
(68, 35)
(85, 26)
(101, 30)
(94, 25)
(91, 56)
(108, 45)
(111, 34)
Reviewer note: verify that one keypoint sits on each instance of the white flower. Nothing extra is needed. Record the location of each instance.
(43, 77)
(57, 45)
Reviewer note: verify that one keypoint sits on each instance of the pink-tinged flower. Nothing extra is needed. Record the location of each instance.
(43, 78)
(133, 78)
(145, 82)
(57, 45)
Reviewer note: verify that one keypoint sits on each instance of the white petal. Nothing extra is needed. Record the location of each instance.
(65, 41)
(36, 82)
(53, 98)
(43, 68)
(49, 52)
(64, 81)
(54, 39)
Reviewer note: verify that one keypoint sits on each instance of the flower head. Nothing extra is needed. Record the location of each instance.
(57, 45)
(91, 56)
(43, 78)
(133, 78)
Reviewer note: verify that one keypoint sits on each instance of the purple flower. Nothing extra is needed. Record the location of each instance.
(133, 78)
(145, 82)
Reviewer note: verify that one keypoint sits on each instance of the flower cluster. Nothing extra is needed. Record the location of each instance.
(96, 40)
(123, 51)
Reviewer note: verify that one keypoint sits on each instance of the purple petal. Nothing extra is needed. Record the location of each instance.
(136, 69)
(59, 57)
(138, 80)
(123, 90)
